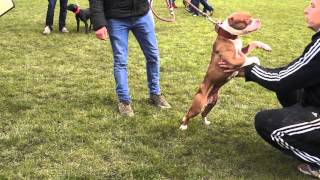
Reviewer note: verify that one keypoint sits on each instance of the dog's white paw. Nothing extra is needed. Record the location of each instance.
(206, 122)
(183, 127)
(263, 46)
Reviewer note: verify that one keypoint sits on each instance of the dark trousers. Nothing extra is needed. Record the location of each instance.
(62, 16)
(293, 129)
(206, 6)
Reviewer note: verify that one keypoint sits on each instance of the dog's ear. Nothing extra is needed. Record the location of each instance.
(230, 20)
(248, 21)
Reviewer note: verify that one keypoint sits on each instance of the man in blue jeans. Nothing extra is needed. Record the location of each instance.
(62, 17)
(120, 17)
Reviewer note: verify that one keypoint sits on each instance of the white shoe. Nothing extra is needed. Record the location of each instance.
(47, 30)
(171, 11)
(64, 30)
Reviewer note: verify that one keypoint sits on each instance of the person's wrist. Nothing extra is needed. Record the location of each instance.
(247, 72)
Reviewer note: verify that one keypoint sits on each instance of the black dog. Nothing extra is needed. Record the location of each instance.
(81, 14)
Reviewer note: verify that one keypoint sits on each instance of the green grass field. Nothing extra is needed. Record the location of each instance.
(58, 112)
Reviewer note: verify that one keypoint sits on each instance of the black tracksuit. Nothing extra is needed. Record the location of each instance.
(107, 9)
(295, 128)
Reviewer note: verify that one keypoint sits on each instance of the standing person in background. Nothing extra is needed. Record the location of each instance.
(62, 17)
(206, 7)
(120, 17)
(293, 129)
(171, 6)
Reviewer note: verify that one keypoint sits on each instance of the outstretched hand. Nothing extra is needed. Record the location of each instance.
(229, 68)
(102, 33)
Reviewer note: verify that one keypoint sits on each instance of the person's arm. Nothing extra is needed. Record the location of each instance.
(97, 14)
(98, 18)
(302, 72)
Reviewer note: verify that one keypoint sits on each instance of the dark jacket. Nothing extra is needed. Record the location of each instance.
(302, 73)
(115, 9)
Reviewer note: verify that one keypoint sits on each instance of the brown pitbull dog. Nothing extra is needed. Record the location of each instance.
(227, 47)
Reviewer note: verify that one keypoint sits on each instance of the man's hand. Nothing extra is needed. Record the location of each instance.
(102, 33)
(228, 68)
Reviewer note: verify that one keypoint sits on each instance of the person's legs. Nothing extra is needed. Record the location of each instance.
(174, 4)
(196, 4)
(294, 130)
(143, 29)
(118, 30)
(63, 14)
(50, 13)
(206, 6)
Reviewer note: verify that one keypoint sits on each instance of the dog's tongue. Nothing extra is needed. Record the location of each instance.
(255, 25)
(258, 23)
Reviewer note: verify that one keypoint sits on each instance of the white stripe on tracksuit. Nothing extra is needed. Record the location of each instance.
(314, 50)
(294, 130)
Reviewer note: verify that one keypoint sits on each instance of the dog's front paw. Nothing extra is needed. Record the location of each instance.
(183, 127)
(262, 45)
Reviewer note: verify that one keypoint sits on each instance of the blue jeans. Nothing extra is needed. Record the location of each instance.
(143, 29)
(62, 15)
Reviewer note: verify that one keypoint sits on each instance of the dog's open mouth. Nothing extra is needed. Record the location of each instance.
(253, 26)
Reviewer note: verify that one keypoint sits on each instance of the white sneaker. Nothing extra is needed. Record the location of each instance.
(171, 11)
(64, 30)
(47, 30)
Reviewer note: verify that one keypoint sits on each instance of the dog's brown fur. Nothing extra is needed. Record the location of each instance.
(224, 48)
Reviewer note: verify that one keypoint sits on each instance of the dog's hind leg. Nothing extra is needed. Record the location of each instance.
(212, 101)
(86, 27)
(198, 103)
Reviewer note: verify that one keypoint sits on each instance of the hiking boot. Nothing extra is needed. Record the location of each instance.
(310, 170)
(125, 109)
(64, 30)
(46, 30)
(159, 101)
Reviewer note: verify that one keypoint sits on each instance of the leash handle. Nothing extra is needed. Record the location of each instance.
(173, 19)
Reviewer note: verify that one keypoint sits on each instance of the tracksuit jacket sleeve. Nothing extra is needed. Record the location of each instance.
(97, 14)
(303, 72)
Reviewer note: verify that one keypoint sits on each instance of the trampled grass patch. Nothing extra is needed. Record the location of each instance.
(58, 113)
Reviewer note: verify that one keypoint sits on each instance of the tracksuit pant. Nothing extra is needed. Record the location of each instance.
(293, 129)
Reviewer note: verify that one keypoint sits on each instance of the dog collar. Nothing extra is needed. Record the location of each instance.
(77, 10)
(225, 25)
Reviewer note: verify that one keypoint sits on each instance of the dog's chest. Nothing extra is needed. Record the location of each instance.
(238, 45)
